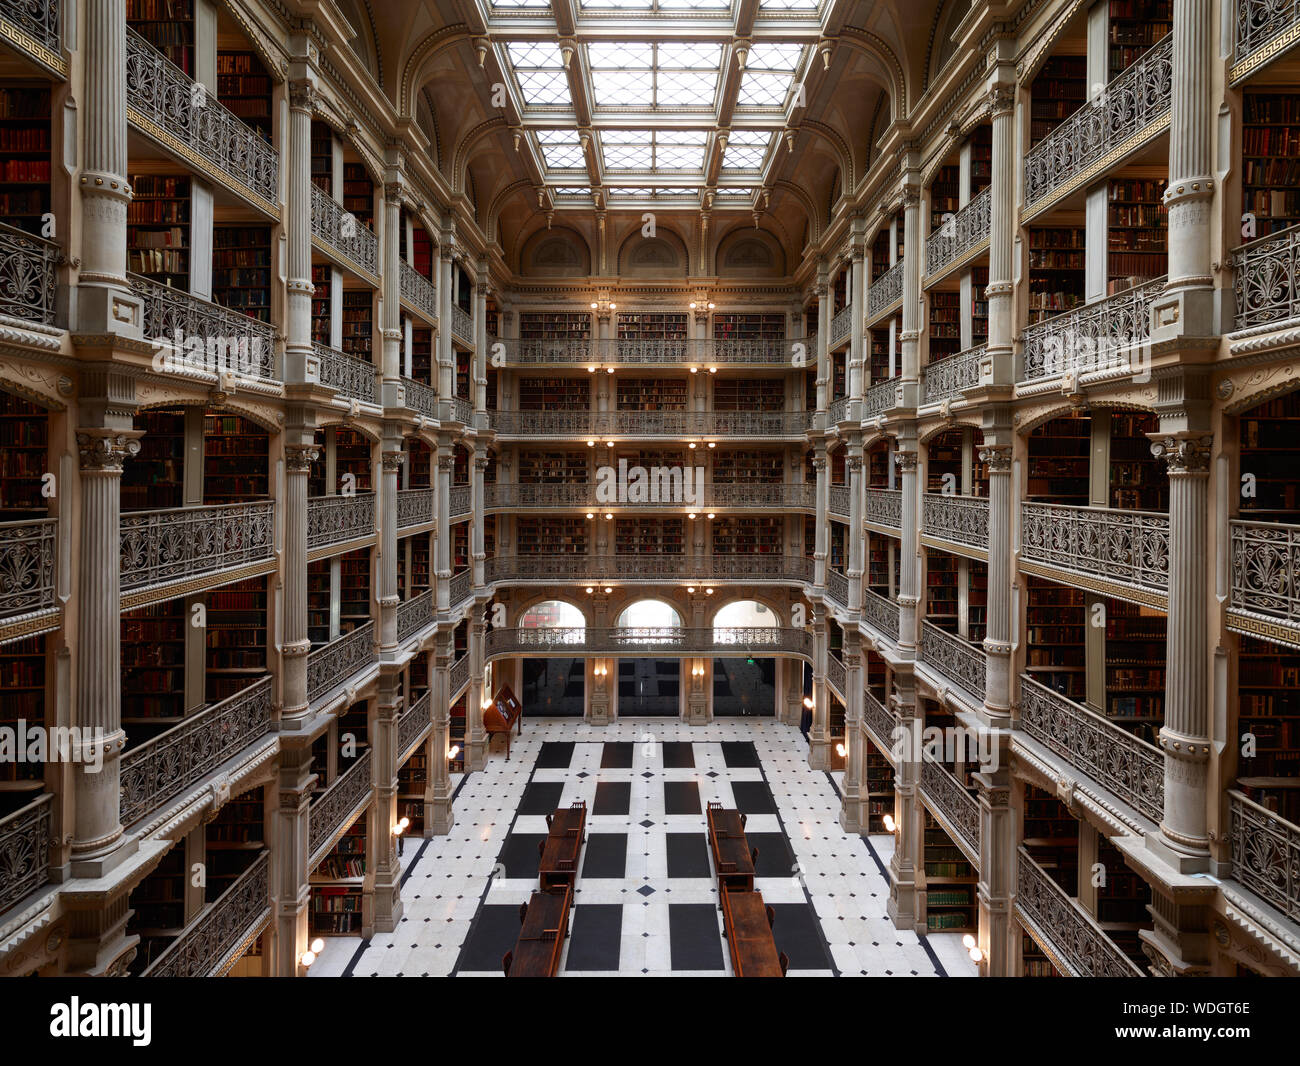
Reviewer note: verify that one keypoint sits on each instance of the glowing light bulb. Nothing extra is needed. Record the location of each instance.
(889, 823)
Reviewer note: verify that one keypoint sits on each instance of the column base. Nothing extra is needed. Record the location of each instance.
(476, 753)
(903, 902)
(438, 816)
(819, 754)
(388, 898)
(852, 816)
(697, 712)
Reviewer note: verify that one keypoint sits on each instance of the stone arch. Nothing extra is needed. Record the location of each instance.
(424, 52)
(366, 43)
(267, 420)
(557, 252)
(35, 383)
(460, 158)
(749, 252)
(956, 422)
(426, 119)
(1259, 384)
(815, 222)
(338, 421)
(523, 608)
(623, 621)
(870, 44)
(663, 254)
(778, 612)
(940, 48)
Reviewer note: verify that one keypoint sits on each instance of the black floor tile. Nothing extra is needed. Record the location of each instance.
(753, 797)
(519, 854)
(738, 754)
(604, 855)
(595, 937)
(495, 931)
(678, 755)
(681, 797)
(555, 755)
(688, 855)
(613, 797)
(617, 755)
(541, 797)
(798, 933)
(775, 859)
(695, 936)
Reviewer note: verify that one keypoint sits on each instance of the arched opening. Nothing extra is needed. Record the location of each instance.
(554, 685)
(553, 614)
(746, 614)
(649, 614)
(743, 684)
(646, 686)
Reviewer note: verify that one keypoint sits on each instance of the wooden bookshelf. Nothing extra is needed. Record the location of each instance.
(668, 326)
(1135, 668)
(652, 394)
(24, 451)
(750, 326)
(421, 252)
(359, 323)
(748, 394)
(236, 460)
(158, 906)
(554, 326)
(456, 734)
(1269, 435)
(318, 602)
(1268, 686)
(1135, 26)
(552, 467)
(1057, 93)
(880, 789)
(1059, 453)
(241, 269)
(1055, 618)
(359, 194)
(168, 25)
(352, 456)
(412, 779)
(322, 156)
(153, 669)
(1122, 902)
(1137, 227)
(460, 559)
(1270, 159)
(322, 276)
(950, 883)
(1051, 836)
(236, 637)
(158, 229)
(551, 536)
(354, 589)
(941, 581)
(422, 356)
(413, 553)
(809, 536)
(463, 374)
(649, 536)
(22, 677)
(244, 87)
(347, 859)
(749, 535)
(981, 159)
(944, 195)
(554, 394)
(979, 305)
(25, 145)
(943, 457)
(233, 841)
(879, 353)
(977, 598)
(738, 466)
(336, 909)
(1138, 480)
(837, 544)
(945, 324)
(1056, 270)
(1033, 963)
(880, 577)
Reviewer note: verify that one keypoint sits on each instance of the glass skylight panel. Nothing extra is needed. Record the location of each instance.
(789, 5)
(572, 190)
(746, 149)
(769, 74)
(539, 69)
(521, 3)
(635, 5)
(561, 149)
(626, 192)
(694, 5)
(633, 74)
(672, 154)
(627, 149)
(731, 191)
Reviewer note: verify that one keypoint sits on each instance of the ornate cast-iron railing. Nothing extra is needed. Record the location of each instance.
(161, 768)
(182, 109)
(414, 721)
(332, 809)
(332, 664)
(1265, 854)
(956, 659)
(880, 398)
(38, 19)
(762, 494)
(842, 324)
(160, 546)
(338, 519)
(835, 674)
(414, 507)
(879, 719)
(1130, 547)
(27, 551)
(946, 379)
(414, 614)
(458, 676)
(837, 587)
(1265, 562)
(966, 230)
(459, 500)
(29, 275)
(25, 838)
(220, 929)
(959, 519)
(1110, 334)
(1266, 276)
(885, 507)
(348, 375)
(1130, 104)
(461, 410)
(881, 613)
(593, 640)
(1261, 22)
(1075, 938)
(885, 291)
(838, 411)
(840, 502)
(652, 423)
(462, 325)
(1131, 768)
(421, 398)
(460, 587)
(419, 292)
(652, 352)
(954, 802)
(343, 233)
(530, 495)
(199, 335)
(596, 568)
(741, 494)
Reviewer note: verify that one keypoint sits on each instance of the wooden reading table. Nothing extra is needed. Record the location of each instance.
(731, 853)
(562, 846)
(749, 935)
(541, 939)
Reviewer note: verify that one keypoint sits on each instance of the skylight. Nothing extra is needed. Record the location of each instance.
(656, 5)
(561, 149)
(769, 74)
(635, 74)
(653, 149)
(746, 149)
(789, 5)
(540, 72)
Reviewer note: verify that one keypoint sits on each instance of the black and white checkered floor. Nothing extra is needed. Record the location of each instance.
(645, 900)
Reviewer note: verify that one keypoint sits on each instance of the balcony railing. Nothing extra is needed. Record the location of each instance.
(881, 613)
(27, 551)
(414, 614)
(835, 674)
(838, 411)
(1076, 939)
(1265, 854)
(460, 587)
(332, 664)
(460, 500)
(414, 721)
(651, 352)
(1260, 23)
(346, 374)
(208, 943)
(340, 231)
(161, 768)
(414, 507)
(156, 547)
(332, 810)
(957, 519)
(419, 292)
(965, 231)
(199, 335)
(1128, 547)
(885, 508)
(1111, 334)
(880, 398)
(1114, 122)
(458, 676)
(1266, 277)
(339, 519)
(1265, 562)
(837, 587)
(885, 291)
(840, 500)
(959, 808)
(956, 659)
(38, 19)
(654, 640)
(175, 109)
(25, 838)
(462, 325)
(421, 398)
(946, 379)
(1131, 768)
(743, 494)
(652, 423)
(459, 410)
(29, 275)
(762, 494)
(595, 568)
(880, 720)
(842, 324)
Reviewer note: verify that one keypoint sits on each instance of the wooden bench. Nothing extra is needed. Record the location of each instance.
(732, 856)
(563, 845)
(747, 922)
(544, 925)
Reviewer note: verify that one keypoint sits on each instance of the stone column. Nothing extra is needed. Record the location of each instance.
(297, 231)
(853, 807)
(824, 305)
(909, 591)
(1185, 735)
(97, 843)
(913, 257)
(446, 370)
(300, 451)
(383, 869)
(997, 632)
(443, 533)
(393, 458)
(819, 739)
(1002, 233)
(904, 906)
(438, 816)
(391, 284)
(478, 377)
(854, 465)
(997, 881)
(478, 473)
(822, 548)
(289, 858)
(858, 301)
(475, 734)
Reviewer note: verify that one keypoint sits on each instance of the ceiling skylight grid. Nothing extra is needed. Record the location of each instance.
(653, 150)
(770, 69)
(746, 149)
(539, 70)
(654, 76)
(561, 149)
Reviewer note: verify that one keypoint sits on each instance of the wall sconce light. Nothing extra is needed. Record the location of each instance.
(609, 515)
(841, 750)
(591, 444)
(591, 514)
(890, 826)
(708, 592)
(712, 515)
(713, 444)
(808, 703)
(691, 445)
(713, 370)
(691, 588)
(398, 830)
(452, 752)
(609, 443)
(593, 305)
(712, 305)
(609, 589)
(695, 370)
(591, 370)
(590, 588)
(609, 369)
(692, 516)
(976, 955)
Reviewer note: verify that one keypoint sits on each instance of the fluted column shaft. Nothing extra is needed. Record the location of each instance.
(295, 643)
(290, 889)
(858, 301)
(478, 379)
(381, 852)
(820, 551)
(438, 817)
(443, 542)
(997, 631)
(908, 832)
(103, 185)
(912, 256)
(908, 546)
(824, 315)
(854, 464)
(1002, 226)
(1191, 185)
(297, 230)
(819, 740)
(393, 458)
(851, 803)
(391, 293)
(476, 734)
(477, 550)
(446, 356)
